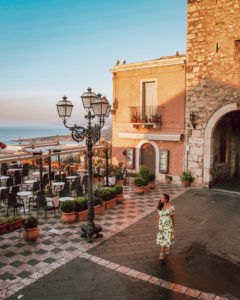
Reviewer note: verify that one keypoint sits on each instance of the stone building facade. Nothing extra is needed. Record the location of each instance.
(212, 113)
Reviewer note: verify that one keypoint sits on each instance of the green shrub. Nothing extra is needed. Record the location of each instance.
(13, 218)
(118, 189)
(144, 173)
(139, 181)
(31, 222)
(187, 176)
(67, 206)
(151, 177)
(112, 193)
(105, 195)
(80, 204)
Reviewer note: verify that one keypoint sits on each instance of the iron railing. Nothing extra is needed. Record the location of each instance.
(149, 114)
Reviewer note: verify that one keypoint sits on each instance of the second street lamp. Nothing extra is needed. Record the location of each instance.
(96, 106)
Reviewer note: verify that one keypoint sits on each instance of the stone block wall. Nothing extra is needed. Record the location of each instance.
(212, 76)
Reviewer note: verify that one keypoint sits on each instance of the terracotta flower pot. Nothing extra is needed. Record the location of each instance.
(99, 208)
(154, 120)
(139, 189)
(102, 180)
(3, 228)
(134, 120)
(120, 198)
(31, 234)
(95, 179)
(152, 184)
(111, 203)
(81, 215)
(68, 217)
(146, 188)
(186, 183)
(120, 182)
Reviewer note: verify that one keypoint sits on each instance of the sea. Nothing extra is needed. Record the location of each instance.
(10, 134)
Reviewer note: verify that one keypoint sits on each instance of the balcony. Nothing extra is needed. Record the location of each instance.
(145, 116)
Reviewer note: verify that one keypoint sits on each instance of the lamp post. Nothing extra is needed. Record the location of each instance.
(96, 106)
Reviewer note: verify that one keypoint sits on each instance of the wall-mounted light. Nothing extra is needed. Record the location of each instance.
(193, 119)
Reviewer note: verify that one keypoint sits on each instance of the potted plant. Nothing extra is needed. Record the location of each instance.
(144, 174)
(3, 225)
(95, 178)
(99, 205)
(134, 119)
(119, 176)
(152, 180)
(168, 178)
(187, 178)
(139, 185)
(80, 208)
(144, 119)
(155, 118)
(68, 214)
(15, 222)
(31, 231)
(119, 192)
(111, 199)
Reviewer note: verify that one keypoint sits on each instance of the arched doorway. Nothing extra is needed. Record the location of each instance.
(148, 157)
(225, 168)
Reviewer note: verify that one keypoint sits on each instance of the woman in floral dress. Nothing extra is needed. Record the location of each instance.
(165, 225)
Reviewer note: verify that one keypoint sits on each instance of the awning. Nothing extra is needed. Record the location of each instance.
(152, 136)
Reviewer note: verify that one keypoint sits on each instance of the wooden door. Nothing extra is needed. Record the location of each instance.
(148, 157)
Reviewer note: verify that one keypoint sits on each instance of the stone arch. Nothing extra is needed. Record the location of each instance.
(138, 151)
(208, 138)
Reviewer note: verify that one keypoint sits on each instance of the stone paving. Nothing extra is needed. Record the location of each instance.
(127, 254)
(23, 263)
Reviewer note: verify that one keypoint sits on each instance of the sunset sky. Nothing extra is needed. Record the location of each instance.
(51, 48)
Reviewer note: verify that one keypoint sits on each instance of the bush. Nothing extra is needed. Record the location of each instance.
(139, 181)
(67, 206)
(105, 195)
(112, 192)
(80, 204)
(118, 189)
(13, 218)
(151, 177)
(31, 222)
(187, 176)
(144, 173)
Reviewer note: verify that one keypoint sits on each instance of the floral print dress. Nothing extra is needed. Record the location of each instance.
(165, 236)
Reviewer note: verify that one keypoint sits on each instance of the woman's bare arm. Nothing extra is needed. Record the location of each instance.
(157, 226)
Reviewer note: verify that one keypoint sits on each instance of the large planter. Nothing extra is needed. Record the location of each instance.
(146, 188)
(152, 184)
(120, 182)
(95, 179)
(68, 217)
(81, 215)
(186, 183)
(120, 198)
(101, 180)
(111, 203)
(31, 234)
(3, 228)
(15, 225)
(139, 189)
(99, 208)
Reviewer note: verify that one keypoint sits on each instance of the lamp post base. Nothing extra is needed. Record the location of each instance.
(91, 231)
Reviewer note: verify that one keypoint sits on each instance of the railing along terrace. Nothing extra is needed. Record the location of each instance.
(145, 114)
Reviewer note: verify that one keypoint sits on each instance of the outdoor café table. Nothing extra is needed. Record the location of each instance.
(24, 195)
(13, 170)
(65, 198)
(82, 172)
(35, 174)
(71, 178)
(4, 178)
(30, 182)
(58, 185)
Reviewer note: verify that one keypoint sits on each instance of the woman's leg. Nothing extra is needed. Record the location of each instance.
(161, 256)
(168, 250)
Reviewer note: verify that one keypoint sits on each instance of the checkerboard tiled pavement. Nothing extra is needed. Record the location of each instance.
(23, 263)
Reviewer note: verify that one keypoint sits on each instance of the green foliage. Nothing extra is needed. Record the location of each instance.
(118, 189)
(3, 221)
(67, 206)
(144, 173)
(151, 177)
(119, 174)
(168, 177)
(187, 176)
(13, 218)
(139, 181)
(31, 222)
(112, 193)
(80, 204)
(105, 195)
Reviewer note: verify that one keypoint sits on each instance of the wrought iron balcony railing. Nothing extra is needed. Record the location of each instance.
(145, 114)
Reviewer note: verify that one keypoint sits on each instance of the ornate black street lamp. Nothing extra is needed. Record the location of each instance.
(96, 105)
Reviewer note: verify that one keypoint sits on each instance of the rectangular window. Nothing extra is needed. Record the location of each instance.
(149, 98)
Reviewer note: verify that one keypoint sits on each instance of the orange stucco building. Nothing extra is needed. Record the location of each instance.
(148, 115)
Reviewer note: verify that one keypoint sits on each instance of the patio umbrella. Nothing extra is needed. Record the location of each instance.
(49, 167)
(40, 170)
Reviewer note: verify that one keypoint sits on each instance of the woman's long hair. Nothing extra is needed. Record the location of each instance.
(160, 204)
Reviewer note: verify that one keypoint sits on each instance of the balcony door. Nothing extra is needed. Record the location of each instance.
(149, 98)
(148, 157)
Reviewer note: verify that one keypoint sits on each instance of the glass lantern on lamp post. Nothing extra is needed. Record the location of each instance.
(96, 106)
